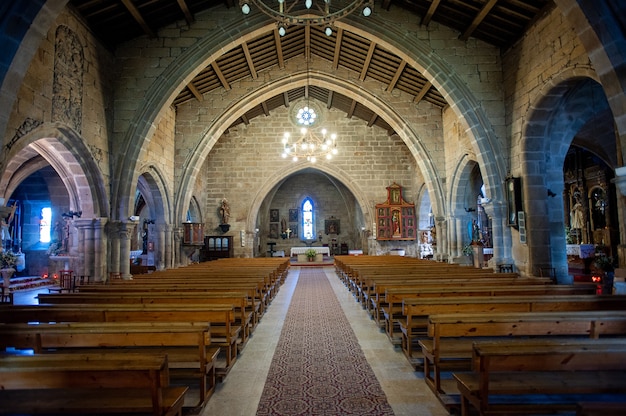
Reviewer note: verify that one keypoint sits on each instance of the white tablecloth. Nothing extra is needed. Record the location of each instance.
(301, 250)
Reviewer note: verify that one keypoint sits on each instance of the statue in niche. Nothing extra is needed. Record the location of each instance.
(225, 211)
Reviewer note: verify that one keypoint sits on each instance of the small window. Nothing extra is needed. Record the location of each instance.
(308, 229)
(44, 225)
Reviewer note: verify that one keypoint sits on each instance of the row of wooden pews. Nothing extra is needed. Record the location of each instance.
(199, 318)
(457, 322)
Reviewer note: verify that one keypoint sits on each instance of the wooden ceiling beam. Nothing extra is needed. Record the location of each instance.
(251, 67)
(195, 91)
(329, 101)
(352, 108)
(279, 49)
(245, 119)
(478, 19)
(337, 48)
(138, 18)
(372, 120)
(266, 111)
(431, 12)
(286, 99)
(423, 92)
(368, 60)
(188, 16)
(307, 44)
(220, 75)
(396, 76)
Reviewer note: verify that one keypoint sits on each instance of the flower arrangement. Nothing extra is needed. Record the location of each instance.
(8, 259)
(310, 253)
(605, 263)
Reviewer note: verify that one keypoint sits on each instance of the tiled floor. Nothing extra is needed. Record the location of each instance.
(240, 392)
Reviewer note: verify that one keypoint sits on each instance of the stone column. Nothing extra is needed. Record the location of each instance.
(124, 251)
(176, 249)
(160, 260)
(496, 211)
(168, 245)
(443, 250)
(114, 249)
(620, 184)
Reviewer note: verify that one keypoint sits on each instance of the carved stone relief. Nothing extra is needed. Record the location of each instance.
(67, 88)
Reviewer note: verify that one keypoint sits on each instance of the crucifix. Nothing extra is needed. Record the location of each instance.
(288, 231)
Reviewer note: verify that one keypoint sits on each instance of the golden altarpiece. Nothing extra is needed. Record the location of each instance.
(395, 218)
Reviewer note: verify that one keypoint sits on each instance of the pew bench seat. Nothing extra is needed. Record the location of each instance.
(532, 377)
(86, 384)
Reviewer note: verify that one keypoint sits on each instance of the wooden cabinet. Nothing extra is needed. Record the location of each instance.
(193, 233)
(395, 218)
(218, 247)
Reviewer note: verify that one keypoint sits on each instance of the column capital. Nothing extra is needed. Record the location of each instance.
(620, 180)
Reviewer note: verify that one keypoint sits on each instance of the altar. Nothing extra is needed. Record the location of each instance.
(318, 250)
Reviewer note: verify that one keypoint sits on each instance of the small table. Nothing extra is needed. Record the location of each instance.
(271, 250)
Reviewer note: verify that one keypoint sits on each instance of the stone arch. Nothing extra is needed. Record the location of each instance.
(560, 109)
(63, 149)
(600, 28)
(332, 171)
(153, 187)
(215, 130)
(460, 181)
(414, 51)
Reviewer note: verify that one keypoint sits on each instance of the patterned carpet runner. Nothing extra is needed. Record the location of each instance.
(318, 367)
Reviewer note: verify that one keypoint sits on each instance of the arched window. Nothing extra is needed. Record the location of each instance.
(308, 227)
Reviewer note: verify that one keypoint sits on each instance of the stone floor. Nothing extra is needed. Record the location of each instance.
(239, 394)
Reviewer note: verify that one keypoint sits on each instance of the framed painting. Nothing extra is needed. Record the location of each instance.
(294, 230)
(293, 215)
(514, 201)
(274, 230)
(274, 215)
(331, 226)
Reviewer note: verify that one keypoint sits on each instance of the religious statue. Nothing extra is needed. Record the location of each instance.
(577, 220)
(225, 211)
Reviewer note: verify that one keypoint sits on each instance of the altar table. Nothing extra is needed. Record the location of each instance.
(318, 250)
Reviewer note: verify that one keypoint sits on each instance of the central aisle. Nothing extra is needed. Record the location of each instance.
(318, 367)
(241, 392)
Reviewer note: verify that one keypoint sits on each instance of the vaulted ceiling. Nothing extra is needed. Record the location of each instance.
(497, 22)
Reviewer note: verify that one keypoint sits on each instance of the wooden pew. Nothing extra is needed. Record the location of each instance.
(416, 310)
(224, 333)
(600, 409)
(449, 340)
(86, 384)
(187, 345)
(245, 315)
(390, 297)
(556, 375)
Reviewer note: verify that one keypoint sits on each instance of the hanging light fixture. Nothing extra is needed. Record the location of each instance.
(303, 12)
(309, 145)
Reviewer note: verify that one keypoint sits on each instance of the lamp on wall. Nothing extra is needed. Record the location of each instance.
(309, 145)
(303, 13)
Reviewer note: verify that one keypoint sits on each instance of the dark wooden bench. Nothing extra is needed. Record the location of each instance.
(86, 384)
(600, 409)
(529, 376)
(224, 333)
(187, 345)
(415, 311)
(450, 336)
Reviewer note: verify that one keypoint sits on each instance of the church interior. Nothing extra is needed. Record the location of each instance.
(142, 137)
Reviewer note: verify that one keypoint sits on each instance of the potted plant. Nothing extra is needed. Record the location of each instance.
(310, 254)
(8, 260)
(606, 265)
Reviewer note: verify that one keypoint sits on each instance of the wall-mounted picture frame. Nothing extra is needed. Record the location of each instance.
(274, 215)
(514, 201)
(293, 215)
(331, 226)
(294, 230)
(273, 230)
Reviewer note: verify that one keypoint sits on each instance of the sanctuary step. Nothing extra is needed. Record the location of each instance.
(29, 282)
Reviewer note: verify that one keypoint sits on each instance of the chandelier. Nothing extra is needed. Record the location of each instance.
(310, 145)
(302, 13)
